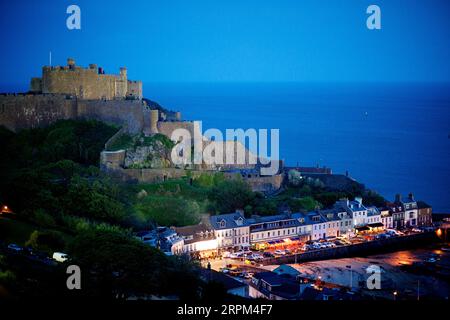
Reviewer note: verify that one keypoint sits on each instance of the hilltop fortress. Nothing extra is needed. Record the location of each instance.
(74, 92)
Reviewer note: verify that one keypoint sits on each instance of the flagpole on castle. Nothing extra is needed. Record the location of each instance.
(50, 58)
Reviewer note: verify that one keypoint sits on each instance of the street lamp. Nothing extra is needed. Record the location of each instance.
(395, 295)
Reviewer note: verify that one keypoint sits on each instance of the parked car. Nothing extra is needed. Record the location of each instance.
(60, 257)
(15, 247)
(417, 230)
(391, 232)
(287, 251)
(382, 236)
(268, 254)
(280, 252)
(257, 256)
(317, 245)
(250, 257)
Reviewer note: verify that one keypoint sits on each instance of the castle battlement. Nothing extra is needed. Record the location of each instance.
(86, 83)
(74, 92)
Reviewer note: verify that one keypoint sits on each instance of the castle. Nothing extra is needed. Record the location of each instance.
(86, 83)
(74, 92)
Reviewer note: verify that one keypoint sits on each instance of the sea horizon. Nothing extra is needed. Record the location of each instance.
(392, 137)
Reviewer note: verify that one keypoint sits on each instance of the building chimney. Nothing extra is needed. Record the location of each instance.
(397, 198)
(359, 200)
(411, 196)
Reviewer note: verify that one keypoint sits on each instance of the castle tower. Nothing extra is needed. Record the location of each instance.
(123, 72)
(71, 63)
(154, 117)
(178, 116)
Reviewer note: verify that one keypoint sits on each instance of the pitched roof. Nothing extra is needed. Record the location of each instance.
(195, 233)
(228, 282)
(228, 221)
(308, 217)
(423, 205)
(280, 286)
(273, 222)
(286, 269)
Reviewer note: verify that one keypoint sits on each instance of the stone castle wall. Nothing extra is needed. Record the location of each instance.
(112, 162)
(83, 83)
(168, 127)
(264, 184)
(127, 113)
(23, 111)
(134, 89)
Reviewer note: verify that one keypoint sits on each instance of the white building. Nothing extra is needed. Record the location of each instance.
(318, 225)
(199, 238)
(356, 209)
(231, 230)
(386, 218)
(339, 222)
(272, 228)
(411, 210)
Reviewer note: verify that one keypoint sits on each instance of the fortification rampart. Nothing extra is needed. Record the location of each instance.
(168, 127)
(142, 175)
(128, 113)
(112, 160)
(264, 184)
(22, 111)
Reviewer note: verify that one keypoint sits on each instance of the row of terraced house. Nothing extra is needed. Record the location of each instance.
(232, 231)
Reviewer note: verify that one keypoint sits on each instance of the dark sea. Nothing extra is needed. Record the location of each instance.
(394, 138)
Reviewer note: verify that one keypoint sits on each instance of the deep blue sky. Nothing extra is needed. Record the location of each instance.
(232, 40)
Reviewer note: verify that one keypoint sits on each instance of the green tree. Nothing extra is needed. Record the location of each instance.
(303, 204)
(118, 265)
(294, 177)
(46, 241)
(230, 195)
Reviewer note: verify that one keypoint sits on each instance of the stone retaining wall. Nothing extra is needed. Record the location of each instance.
(360, 249)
